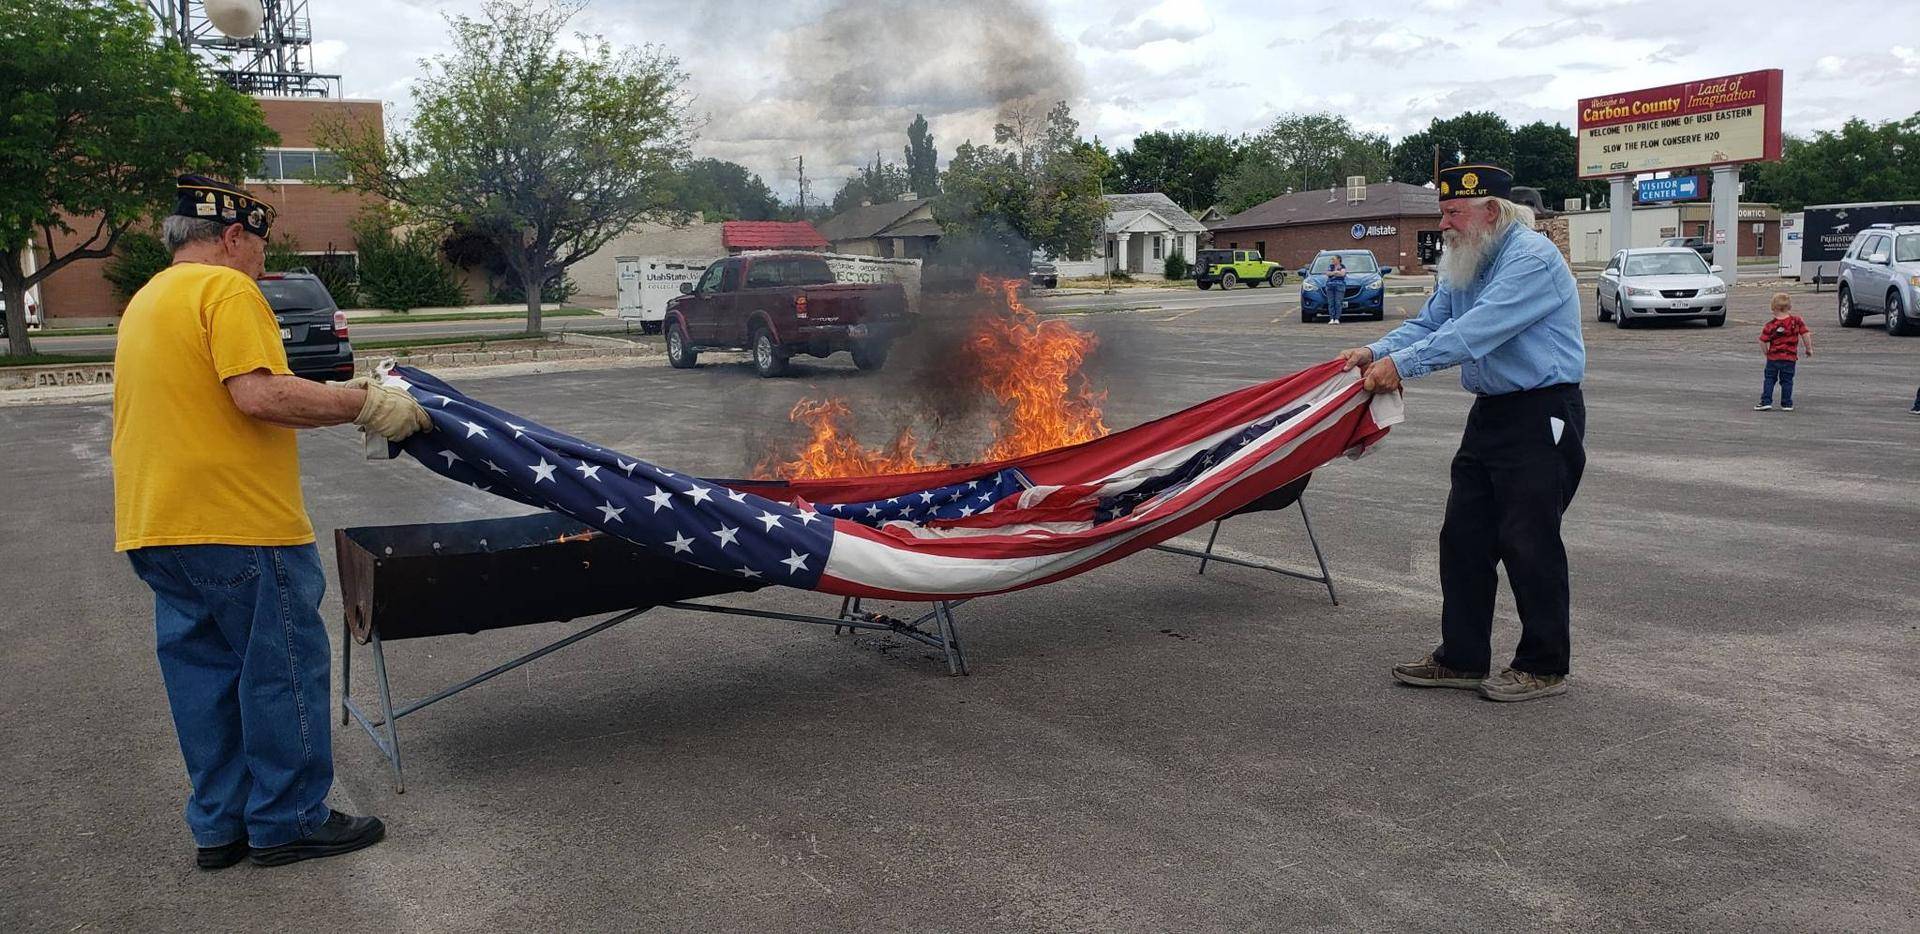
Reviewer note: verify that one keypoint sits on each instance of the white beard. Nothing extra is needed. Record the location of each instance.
(1463, 256)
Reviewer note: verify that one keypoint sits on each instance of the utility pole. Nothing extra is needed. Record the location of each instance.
(1436, 165)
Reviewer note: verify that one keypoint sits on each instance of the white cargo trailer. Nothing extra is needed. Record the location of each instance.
(1791, 227)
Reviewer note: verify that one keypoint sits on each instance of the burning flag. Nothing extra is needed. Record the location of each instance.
(955, 532)
(1027, 368)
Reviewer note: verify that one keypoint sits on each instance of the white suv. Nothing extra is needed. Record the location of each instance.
(1880, 274)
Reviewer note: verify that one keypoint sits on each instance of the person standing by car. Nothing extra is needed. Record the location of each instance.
(1781, 335)
(1508, 315)
(1336, 289)
(207, 507)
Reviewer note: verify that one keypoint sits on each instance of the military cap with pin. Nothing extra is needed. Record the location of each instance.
(215, 200)
(1475, 181)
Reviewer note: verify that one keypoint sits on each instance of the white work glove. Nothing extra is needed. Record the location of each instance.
(389, 411)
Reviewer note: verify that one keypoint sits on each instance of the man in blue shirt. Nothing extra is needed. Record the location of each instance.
(1507, 313)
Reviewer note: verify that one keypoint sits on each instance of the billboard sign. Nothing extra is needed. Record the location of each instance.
(1719, 121)
(1676, 188)
(1828, 229)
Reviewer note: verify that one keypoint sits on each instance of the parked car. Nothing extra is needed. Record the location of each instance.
(1044, 274)
(1366, 287)
(1228, 268)
(1880, 274)
(33, 314)
(1660, 282)
(1697, 244)
(780, 304)
(313, 328)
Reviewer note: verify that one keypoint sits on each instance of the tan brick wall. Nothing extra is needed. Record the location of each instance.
(314, 215)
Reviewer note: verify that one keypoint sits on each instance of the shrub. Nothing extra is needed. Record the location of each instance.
(1175, 268)
(402, 271)
(138, 256)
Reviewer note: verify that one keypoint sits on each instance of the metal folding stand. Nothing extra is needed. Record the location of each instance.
(1324, 577)
(946, 638)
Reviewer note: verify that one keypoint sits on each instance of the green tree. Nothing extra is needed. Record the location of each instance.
(1188, 167)
(1036, 187)
(549, 151)
(723, 191)
(878, 183)
(404, 270)
(138, 256)
(1546, 156)
(923, 160)
(1861, 161)
(1476, 136)
(1298, 152)
(99, 119)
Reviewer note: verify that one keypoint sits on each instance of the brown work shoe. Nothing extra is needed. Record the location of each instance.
(1512, 684)
(1427, 673)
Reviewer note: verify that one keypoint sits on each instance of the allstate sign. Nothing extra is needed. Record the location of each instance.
(1362, 231)
(1676, 188)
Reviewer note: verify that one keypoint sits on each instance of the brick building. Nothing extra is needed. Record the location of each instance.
(316, 216)
(1385, 217)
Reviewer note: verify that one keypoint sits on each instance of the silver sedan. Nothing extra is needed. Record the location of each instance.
(1660, 282)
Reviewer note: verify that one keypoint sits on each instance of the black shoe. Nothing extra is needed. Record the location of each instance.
(342, 833)
(220, 857)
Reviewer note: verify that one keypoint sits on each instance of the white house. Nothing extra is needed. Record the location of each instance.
(1141, 232)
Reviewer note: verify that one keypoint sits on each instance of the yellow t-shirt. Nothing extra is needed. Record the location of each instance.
(189, 468)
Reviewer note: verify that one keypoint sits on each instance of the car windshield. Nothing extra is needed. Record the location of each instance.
(799, 270)
(1907, 249)
(1666, 264)
(1355, 262)
(295, 294)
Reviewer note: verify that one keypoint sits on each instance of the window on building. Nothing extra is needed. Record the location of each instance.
(1233, 246)
(1158, 245)
(297, 165)
(1260, 247)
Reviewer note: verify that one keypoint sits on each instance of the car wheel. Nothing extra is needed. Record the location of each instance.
(1228, 280)
(1897, 324)
(1600, 310)
(1714, 321)
(769, 360)
(1307, 317)
(1621, 321)
(680, 352)
(1849, 315)
(1273, 279)
(1204, 284)
(871, 355)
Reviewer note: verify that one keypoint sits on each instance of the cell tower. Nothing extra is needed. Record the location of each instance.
(276, 61)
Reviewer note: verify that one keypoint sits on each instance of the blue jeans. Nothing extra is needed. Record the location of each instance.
(1336, 292)
(245, 658)
(1781, 370)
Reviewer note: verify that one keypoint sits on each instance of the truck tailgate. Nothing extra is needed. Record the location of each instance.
(854, 302)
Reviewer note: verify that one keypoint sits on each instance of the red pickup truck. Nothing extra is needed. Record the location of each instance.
(776, 305)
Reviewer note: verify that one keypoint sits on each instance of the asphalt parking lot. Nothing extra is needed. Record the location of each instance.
(1137, 749)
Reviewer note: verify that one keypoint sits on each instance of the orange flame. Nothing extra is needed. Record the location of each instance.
(1029, 367)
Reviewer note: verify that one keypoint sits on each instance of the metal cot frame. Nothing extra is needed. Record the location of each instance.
(937, 628)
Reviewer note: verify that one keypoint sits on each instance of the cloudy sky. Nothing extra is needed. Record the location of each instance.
(838, 80)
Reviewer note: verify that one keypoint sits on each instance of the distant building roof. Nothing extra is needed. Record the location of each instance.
(771, 235)
(878, 220)
(1384, 199)
(1126, 209)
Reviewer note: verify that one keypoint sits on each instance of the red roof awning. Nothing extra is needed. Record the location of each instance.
(771, 235)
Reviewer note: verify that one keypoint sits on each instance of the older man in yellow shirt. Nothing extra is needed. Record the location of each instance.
(207, 506)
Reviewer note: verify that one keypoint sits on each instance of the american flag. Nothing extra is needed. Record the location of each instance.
(968, 530)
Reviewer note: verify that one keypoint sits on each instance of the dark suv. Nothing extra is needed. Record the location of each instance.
(312, 327)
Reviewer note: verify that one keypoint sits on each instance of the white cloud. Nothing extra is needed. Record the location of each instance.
(1671, 53)
(1380, 40)
(1173, 20)
(1560, 30)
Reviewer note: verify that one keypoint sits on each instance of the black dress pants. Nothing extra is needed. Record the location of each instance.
(1519, 464)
